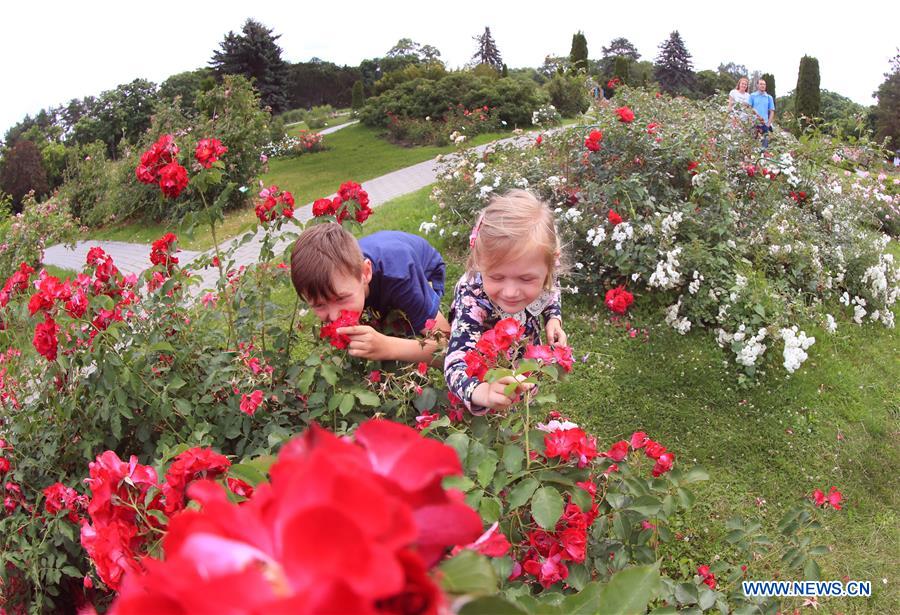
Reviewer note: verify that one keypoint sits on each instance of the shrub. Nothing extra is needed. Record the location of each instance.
(676, 202)
(87, 181)
(569, 94)
(304, 143)
(359, 97)
(23, 172)
(546, 116)
(38, 225)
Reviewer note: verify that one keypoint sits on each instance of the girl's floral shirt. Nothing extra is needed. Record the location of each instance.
(471, 314)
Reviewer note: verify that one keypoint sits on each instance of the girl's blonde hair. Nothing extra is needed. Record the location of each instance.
(738, 86)
(511, 225)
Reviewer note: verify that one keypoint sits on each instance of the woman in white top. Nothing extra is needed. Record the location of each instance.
(740, 93)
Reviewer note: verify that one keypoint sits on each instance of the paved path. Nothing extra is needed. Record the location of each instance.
(134, 257)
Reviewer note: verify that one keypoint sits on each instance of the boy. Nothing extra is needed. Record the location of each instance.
(386, 272)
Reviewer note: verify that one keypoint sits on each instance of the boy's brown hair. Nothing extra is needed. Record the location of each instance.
(319, 253)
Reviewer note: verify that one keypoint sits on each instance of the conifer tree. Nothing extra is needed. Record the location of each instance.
(578, 56)
(487, 51)
(255, 54)
(674, 69)
(769, 78)
(358, 97)
(620, 69)
(808, 99)
(886, 113)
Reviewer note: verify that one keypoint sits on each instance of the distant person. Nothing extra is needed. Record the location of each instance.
(740, 95)
(764, 105)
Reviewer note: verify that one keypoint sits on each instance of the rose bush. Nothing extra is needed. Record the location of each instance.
(667, 198)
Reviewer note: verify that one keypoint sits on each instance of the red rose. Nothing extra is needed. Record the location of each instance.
(345, 318)
(625, 114)
(4, 465)
(691, 167)
(654, 450)
(173, 178)
(592, 142)
(618, 451)
(663, 464)
(614, 218)
(45, 341)
(618, 300)
(639, 439)
(193, 464)
(652, 127)
(250, 403)
(322, 207)
(208, 151)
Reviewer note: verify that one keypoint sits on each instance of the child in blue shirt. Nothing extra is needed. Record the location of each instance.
(384, 273)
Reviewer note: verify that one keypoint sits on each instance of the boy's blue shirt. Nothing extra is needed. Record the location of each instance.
(407, 276)
(762, 103)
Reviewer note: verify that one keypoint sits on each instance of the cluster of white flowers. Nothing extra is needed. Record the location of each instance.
(694, 286)
(701, 178)
(795, 346)
(426, 227)
(775, 249)
(667, 274)
(457, 138)
(751, 348)
(547, 114)
(670, 223)
(786, 162)
(621, 233)
(682, 325)
(596, 235)
(571, 214)
(830, 323)
(554, 181)
(884, 280)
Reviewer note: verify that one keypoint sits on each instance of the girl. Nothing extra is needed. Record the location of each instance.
(513, 260)
(740, 95)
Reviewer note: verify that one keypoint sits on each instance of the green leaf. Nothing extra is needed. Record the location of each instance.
(329, 373)
(695, 475)
(463, 483)
(460, 443)
(368, 398)
(486, 469)
(489, 509)
(629, 591)
(686, 593)
(616, 500)
(247, 473)
(162, 346)
(686, 498)
(522, 492)
(491, 605)
(426, 400)
(707, 598)
(547, 507)
(468, 573)
(647, 505)
(585, 602)
(811, 571)
(346, 405)
(175, 383)
(513, 456)
(578, 576)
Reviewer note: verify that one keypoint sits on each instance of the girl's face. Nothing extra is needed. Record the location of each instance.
(514, 284)
(743, 85)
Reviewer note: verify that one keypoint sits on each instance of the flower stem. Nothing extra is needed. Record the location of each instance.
(222, 279)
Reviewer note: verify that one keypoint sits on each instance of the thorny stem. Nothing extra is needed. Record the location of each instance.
(212, 228)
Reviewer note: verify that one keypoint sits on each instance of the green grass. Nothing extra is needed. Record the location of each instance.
(834, 422)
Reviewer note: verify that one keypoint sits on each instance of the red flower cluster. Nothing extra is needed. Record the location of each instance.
(18, 281)
(625, 114)
(613, 83)
(193, 464)
(560, 355)
(491, 345)
(547, 551)
(58, 497)
(592, 141)
(250, 403)
(654, 450)
(652, 128)
(799, 196)
(162, 252)
(692, 167)
(833, 498)
(341, 527)
(570, 443)
(45, 339)
(490, 544)
(614, 218)
(618, 299)
(706, 576)
(271, 198)
(116, 534)
(340, 207)
(208, 151)
(346, 318)
(539, 139)
(159, 166)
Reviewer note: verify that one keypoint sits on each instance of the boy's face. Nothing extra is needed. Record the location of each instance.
(513, 285)
(349, 294)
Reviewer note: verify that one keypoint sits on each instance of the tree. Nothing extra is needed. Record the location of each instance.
(733, 70)
(122, 114)
(617, 47)
(886, 114)
(316, 83)
(255, 54)
(359, 97)
(487, 51)
(620, 69)
(769, 78)
(807, 97)
(406, 47)
(187, 85)
(553, 65)
(674, 69)
(23, 172)
(579, 53)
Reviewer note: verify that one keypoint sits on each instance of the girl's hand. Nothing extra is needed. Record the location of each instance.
(492, 395)
(555, 334)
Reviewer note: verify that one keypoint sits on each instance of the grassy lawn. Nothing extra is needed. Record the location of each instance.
(834, 422)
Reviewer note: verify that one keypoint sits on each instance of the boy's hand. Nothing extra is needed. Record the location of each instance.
(491, 394)
(555, 334)
(366, 342)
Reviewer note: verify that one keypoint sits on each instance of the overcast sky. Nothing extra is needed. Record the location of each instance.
(54, 51)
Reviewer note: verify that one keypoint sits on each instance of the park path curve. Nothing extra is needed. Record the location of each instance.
(135, 257)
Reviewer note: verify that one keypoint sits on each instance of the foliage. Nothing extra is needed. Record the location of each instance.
(770, 84)
(487, 52)
(23, 173)
(887, 110)
(515, 99)
(620, 69)
(807, 98)
(409, 72)
(673, 68)
(617, 47)
(320, 83)
(186, 85)
(546, 117)
(578, 56)
(839, 114)
(36, 227)
(569, 94)
(305, 142)
(118, 115)
(747, 246)
(255, 54)
(87, 180)
(358, 97)
(456, 125)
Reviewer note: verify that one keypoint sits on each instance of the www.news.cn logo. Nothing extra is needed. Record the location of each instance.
(807, 589)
